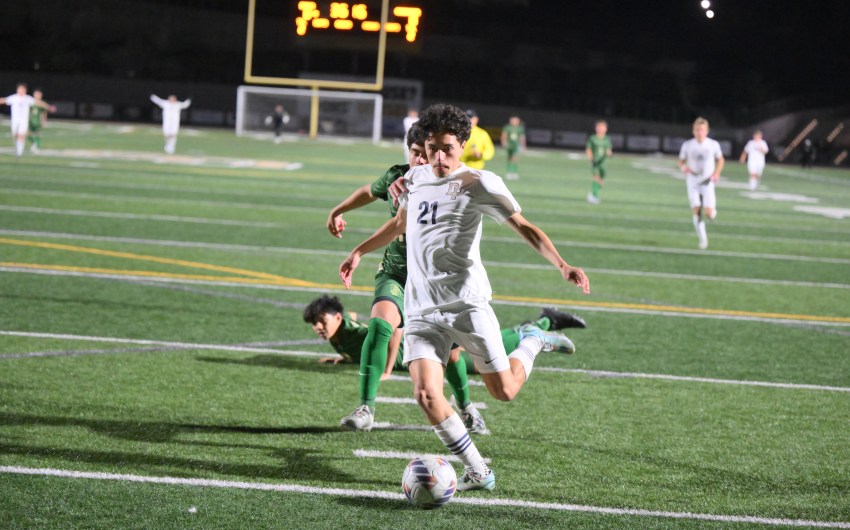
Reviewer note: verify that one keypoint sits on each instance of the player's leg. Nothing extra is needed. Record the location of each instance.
(596, 185)
(34, 137)
(695, 201)
(457, 370)
(709, 201)
(513, 169)
(19, 133)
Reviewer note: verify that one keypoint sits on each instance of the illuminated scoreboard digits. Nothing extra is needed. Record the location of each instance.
(346, 17)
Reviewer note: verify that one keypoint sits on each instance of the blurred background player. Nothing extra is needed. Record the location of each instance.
(171, 109)
(598, 150)
(753, 154)
(38, 117)
(347, 335)
(408, 121)
(20, 103)
(513, 139)
(277, 119)
(808, 153)
(479, 148)
(701, 159)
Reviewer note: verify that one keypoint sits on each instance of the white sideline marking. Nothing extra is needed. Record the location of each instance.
(387, 426)
(376, 494)
(341, 290)
(368, 453)
(638, 375)
(410, 401)
(117, 215)
(831, 213)
(181, 345)
(778, 197)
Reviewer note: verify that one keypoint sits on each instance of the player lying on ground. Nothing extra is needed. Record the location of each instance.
(447, 292)
(347, 335)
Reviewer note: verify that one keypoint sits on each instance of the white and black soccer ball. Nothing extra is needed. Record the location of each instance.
(429, 482)
(285, 118)
(268, 120)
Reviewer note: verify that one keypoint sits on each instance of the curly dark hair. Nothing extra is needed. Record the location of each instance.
(416, 135)
(321, 305)
(446, 119)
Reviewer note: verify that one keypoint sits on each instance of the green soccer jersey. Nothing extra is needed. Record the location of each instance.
(599, 147)
(349, 338)
(395, 255)
(35, 117)
(513, 134)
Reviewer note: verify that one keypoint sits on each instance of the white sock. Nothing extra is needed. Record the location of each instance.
(701, 231)
(19, 147)
(754, 183)
(526, 352)
(452, 433)
(170, 145)
(697, 222)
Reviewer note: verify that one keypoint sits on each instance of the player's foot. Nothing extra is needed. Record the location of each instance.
(473, 481)
(593, 199)
(560, 320)
(512, 176)
(703, 244)
(473, 420)
(552, 340)
(359, 420)
(34, 149)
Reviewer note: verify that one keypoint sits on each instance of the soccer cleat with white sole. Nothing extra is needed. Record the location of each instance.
(473, 481)
(593, 200)
(560, 320)
(552, 340)
(703, 244)
(361, 419)
(473, 421)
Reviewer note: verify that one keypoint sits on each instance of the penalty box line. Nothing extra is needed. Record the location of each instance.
(376, 494)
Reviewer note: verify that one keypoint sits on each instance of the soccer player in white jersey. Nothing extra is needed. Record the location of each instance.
(20, 102)
(701, 159)
(171, 109)
(447, 292)
(753, 154)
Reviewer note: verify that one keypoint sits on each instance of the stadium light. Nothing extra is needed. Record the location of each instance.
(705, 4)
(709, 13)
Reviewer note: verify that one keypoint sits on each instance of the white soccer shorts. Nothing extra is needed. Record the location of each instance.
(706, 191)
(472, 326)
(755, 168)
(20, 126)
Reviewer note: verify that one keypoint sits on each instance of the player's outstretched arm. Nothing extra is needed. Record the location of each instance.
(359, 198)
(391, 230)
(158, 101)
(540, 242)
(185, 104)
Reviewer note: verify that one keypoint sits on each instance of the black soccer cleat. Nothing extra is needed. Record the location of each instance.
(561, 320)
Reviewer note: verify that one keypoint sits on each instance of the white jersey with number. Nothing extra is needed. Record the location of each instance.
(756, 151)
(170, 114)
(700, 158)
(444, 220)
(20, 107)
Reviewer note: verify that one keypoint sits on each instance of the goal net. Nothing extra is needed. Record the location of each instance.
(319, 112)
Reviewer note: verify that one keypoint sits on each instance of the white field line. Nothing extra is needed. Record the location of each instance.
(339, 253)
(322, 290)
(709, 380)
(407, 379)
(387, 426)
(368, 453)
(410, 401)
(169, 344)
(376, 494)
(141, 217)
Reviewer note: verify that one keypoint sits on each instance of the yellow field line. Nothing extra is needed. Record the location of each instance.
(282, 281)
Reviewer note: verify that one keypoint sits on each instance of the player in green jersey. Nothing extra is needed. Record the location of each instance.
(347, 335)
(598, 151)
(37, 119)
(513, 139)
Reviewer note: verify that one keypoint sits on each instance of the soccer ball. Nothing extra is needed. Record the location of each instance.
(429, 482)
(268, 120)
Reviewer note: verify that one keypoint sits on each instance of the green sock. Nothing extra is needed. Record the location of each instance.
(543, 323)
(595, 189)
(512, 167)
(510, 336)
(373, 359)
(38, 141)
(456, 375)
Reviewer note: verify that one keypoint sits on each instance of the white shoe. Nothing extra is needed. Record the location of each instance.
(34, 149)
(703, 244)
(593, 200)
(552, 340)
(359, 420)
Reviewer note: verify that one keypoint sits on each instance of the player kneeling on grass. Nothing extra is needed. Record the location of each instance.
(347, 335)
(447, 292)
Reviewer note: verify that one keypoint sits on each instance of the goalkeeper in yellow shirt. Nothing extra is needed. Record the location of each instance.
(479, 148)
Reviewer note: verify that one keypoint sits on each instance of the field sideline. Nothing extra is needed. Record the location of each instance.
(154, 358)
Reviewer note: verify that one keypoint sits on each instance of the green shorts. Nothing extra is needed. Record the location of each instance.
(34, 127)
(513, 151)
(598, 169)
(389, 288)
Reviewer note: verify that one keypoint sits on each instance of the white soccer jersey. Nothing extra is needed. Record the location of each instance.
(444, 220)
(20, 107)
(701, 158)
(170, 113)
(755, 154)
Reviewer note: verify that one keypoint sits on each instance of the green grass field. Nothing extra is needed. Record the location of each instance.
(150, 326)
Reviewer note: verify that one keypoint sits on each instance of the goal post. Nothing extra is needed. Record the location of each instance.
(319, 112)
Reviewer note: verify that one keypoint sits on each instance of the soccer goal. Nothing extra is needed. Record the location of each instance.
(317, 112)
